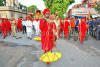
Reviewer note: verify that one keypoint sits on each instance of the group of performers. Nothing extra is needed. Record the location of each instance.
(49, 27)
(27, 25)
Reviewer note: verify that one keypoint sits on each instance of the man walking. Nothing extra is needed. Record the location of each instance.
(29, 27)
(82, 30)
(4, 27)
(66, 28)
(13, 27)
(24, 27)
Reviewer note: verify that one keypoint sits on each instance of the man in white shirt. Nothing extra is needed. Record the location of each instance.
(29, 27)
(36, 26)
(37, 22)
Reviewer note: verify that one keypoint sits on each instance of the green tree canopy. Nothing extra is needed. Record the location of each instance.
(98, 8)
(33, 8)
(59, 6)
(1, 2)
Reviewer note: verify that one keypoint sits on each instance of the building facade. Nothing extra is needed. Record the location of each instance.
(86, 8)
(12, 10)
(93, 1)
(87, 12)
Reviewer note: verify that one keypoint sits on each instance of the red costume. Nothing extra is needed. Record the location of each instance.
(19, 25)
(65, 28)
(0, 27)
(47, 34)
(44, 29)
(4, 28)
(72, 22)
(8, 26)
(61, 26)
(52, 36)
(82, 30)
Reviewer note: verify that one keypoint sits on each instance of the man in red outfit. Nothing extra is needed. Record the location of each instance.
(4, 27)
(52, 32)
(61, 26)
(8, 24)
(82, 29)
(44, 29)
(66, 28)
(47, 27)
(72, 31)
(0, 25)
(19, 24)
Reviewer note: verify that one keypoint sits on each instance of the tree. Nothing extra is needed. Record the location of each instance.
(1, 2)
(33, 9)
(98, 8)
(59, 6)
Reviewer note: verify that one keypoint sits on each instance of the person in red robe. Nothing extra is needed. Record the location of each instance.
(4, 28)
(47, 27)
(72, 31)
(65, 28)
(82, 29)
(61, 26)
(8, 26)
(52, 32)
(44, 28)
(19, 24)
(0, 27)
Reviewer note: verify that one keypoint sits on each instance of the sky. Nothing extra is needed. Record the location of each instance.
(40, 4)
(76, 2)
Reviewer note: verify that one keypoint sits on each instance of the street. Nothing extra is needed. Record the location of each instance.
(69, 30)
(26, 53)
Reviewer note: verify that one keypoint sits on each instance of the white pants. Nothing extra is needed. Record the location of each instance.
(29, 34)
(37, 30)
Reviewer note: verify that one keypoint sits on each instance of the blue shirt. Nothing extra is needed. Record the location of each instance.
(23, 23)
(77, 22)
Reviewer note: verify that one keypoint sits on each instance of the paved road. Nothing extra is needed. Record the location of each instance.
(26, 53)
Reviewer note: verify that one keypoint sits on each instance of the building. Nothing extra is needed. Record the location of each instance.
(93, 1)
(12, 10)
(87, 12)
(84, 9)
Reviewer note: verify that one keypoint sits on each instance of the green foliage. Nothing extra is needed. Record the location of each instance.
(1, 2)
(59, 6)
(33, 9)
(98, 8)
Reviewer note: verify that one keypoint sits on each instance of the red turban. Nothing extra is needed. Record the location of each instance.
(60, 18)
(66, 19)
(83, 17)
(3, 18)
(45, 10)
(28, 17)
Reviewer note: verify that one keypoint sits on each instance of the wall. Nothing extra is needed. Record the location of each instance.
(9, 12)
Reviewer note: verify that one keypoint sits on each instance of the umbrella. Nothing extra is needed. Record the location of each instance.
(77, 16)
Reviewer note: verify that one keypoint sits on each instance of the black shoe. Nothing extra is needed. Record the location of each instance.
(28, 38)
